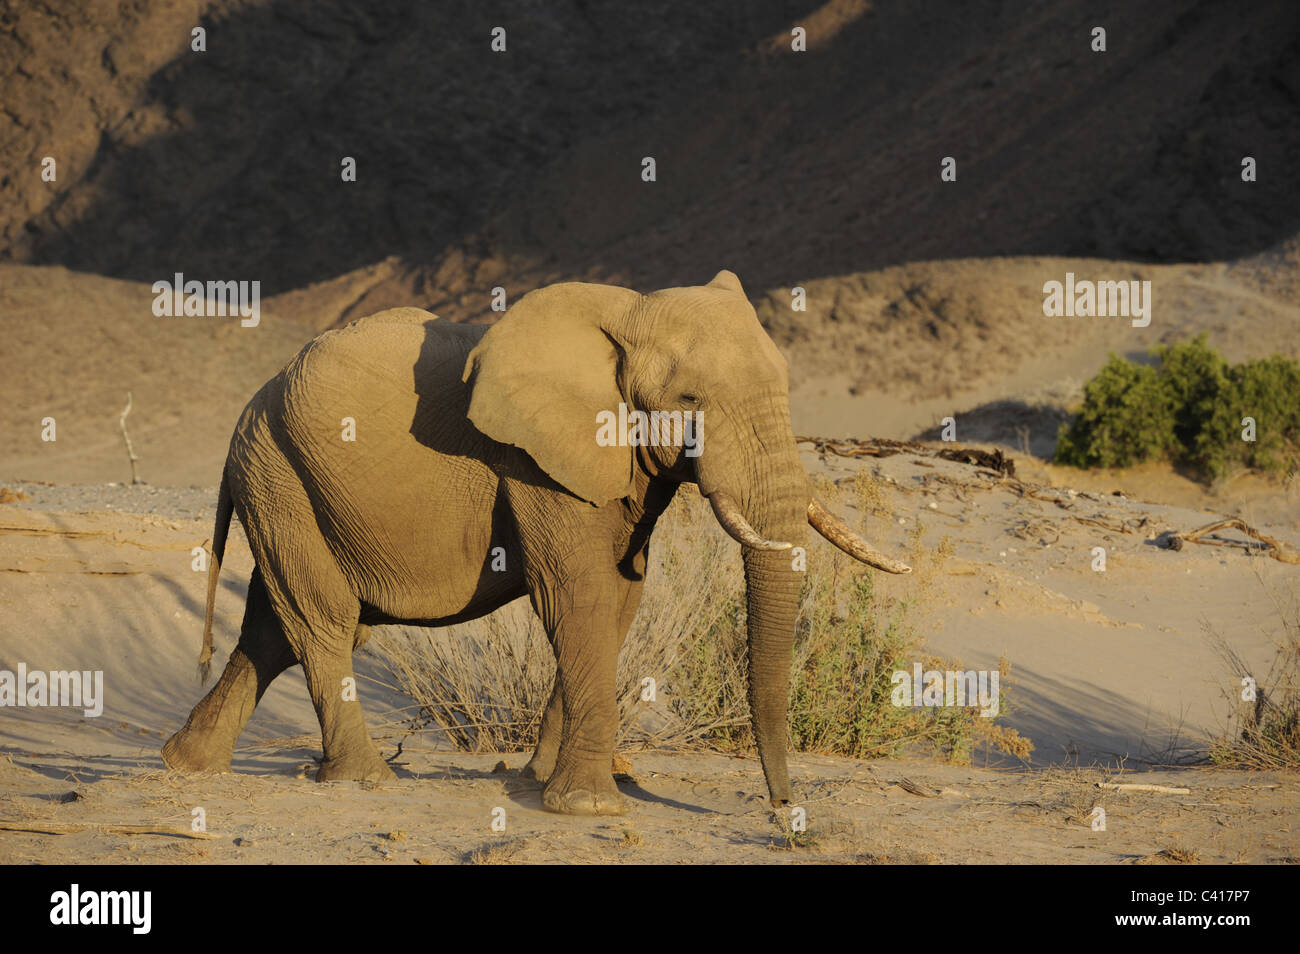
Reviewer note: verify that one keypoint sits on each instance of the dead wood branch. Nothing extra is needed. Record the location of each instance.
(1276, 549)
(130, 451)
(59, 828)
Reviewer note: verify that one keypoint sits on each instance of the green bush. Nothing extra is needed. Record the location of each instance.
(849, 641)
(1127, 416)
(1188, 409)
(1270, 387)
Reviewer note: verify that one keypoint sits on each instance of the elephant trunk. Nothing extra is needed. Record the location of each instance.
(762, 501)
(772, 598)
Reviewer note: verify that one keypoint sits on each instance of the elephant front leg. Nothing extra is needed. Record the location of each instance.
(582, 619)
(542, 764)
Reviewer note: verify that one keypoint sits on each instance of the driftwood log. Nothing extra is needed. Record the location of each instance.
(995, 461)
(1276, 549)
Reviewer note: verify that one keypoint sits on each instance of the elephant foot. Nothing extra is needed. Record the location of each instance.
(355, 769)
(183, 753)
(538, 770)
(583, 792)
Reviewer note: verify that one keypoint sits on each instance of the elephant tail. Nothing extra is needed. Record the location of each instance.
(219, 532)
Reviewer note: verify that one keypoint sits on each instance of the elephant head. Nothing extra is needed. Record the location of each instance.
(565, 355)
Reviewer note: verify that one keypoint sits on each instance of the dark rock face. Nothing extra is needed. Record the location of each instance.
(477, 168)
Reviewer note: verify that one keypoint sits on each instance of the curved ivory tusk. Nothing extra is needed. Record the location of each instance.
(737, 527)
(837, 532)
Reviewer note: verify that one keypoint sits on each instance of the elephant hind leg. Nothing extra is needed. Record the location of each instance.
(349, 752)
(321, 620)
(206, 743)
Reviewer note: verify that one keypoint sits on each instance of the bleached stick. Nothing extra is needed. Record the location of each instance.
(130, 451)
(57, 828)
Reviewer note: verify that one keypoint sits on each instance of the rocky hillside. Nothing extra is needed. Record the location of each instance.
(477, 168)
(474, 168)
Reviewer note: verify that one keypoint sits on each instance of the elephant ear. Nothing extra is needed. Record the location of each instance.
(728, 281)
(539, 377)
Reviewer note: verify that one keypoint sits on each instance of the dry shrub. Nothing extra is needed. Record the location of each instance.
(870, 492)
(693, 596)
(853, 635)
(497, 853)
(485, 683)
(1263, 733)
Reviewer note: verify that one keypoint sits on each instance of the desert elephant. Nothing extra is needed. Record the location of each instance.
(469, 444)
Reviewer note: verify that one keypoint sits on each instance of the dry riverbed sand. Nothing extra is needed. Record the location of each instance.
(1114, 681)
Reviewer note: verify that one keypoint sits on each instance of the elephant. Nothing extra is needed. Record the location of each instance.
(471, 443)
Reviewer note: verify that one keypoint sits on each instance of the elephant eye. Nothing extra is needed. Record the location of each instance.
(689, 398)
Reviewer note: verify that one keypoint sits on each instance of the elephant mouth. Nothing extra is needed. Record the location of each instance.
(822, 520)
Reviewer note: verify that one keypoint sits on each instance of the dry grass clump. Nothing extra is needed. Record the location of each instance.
(1263, 732)
(485, 683)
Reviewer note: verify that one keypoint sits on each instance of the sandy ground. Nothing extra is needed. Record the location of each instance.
(1113, 676)
(684, 808)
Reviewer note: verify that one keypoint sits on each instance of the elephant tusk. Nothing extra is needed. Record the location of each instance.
(737, 527)
(837, 532)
